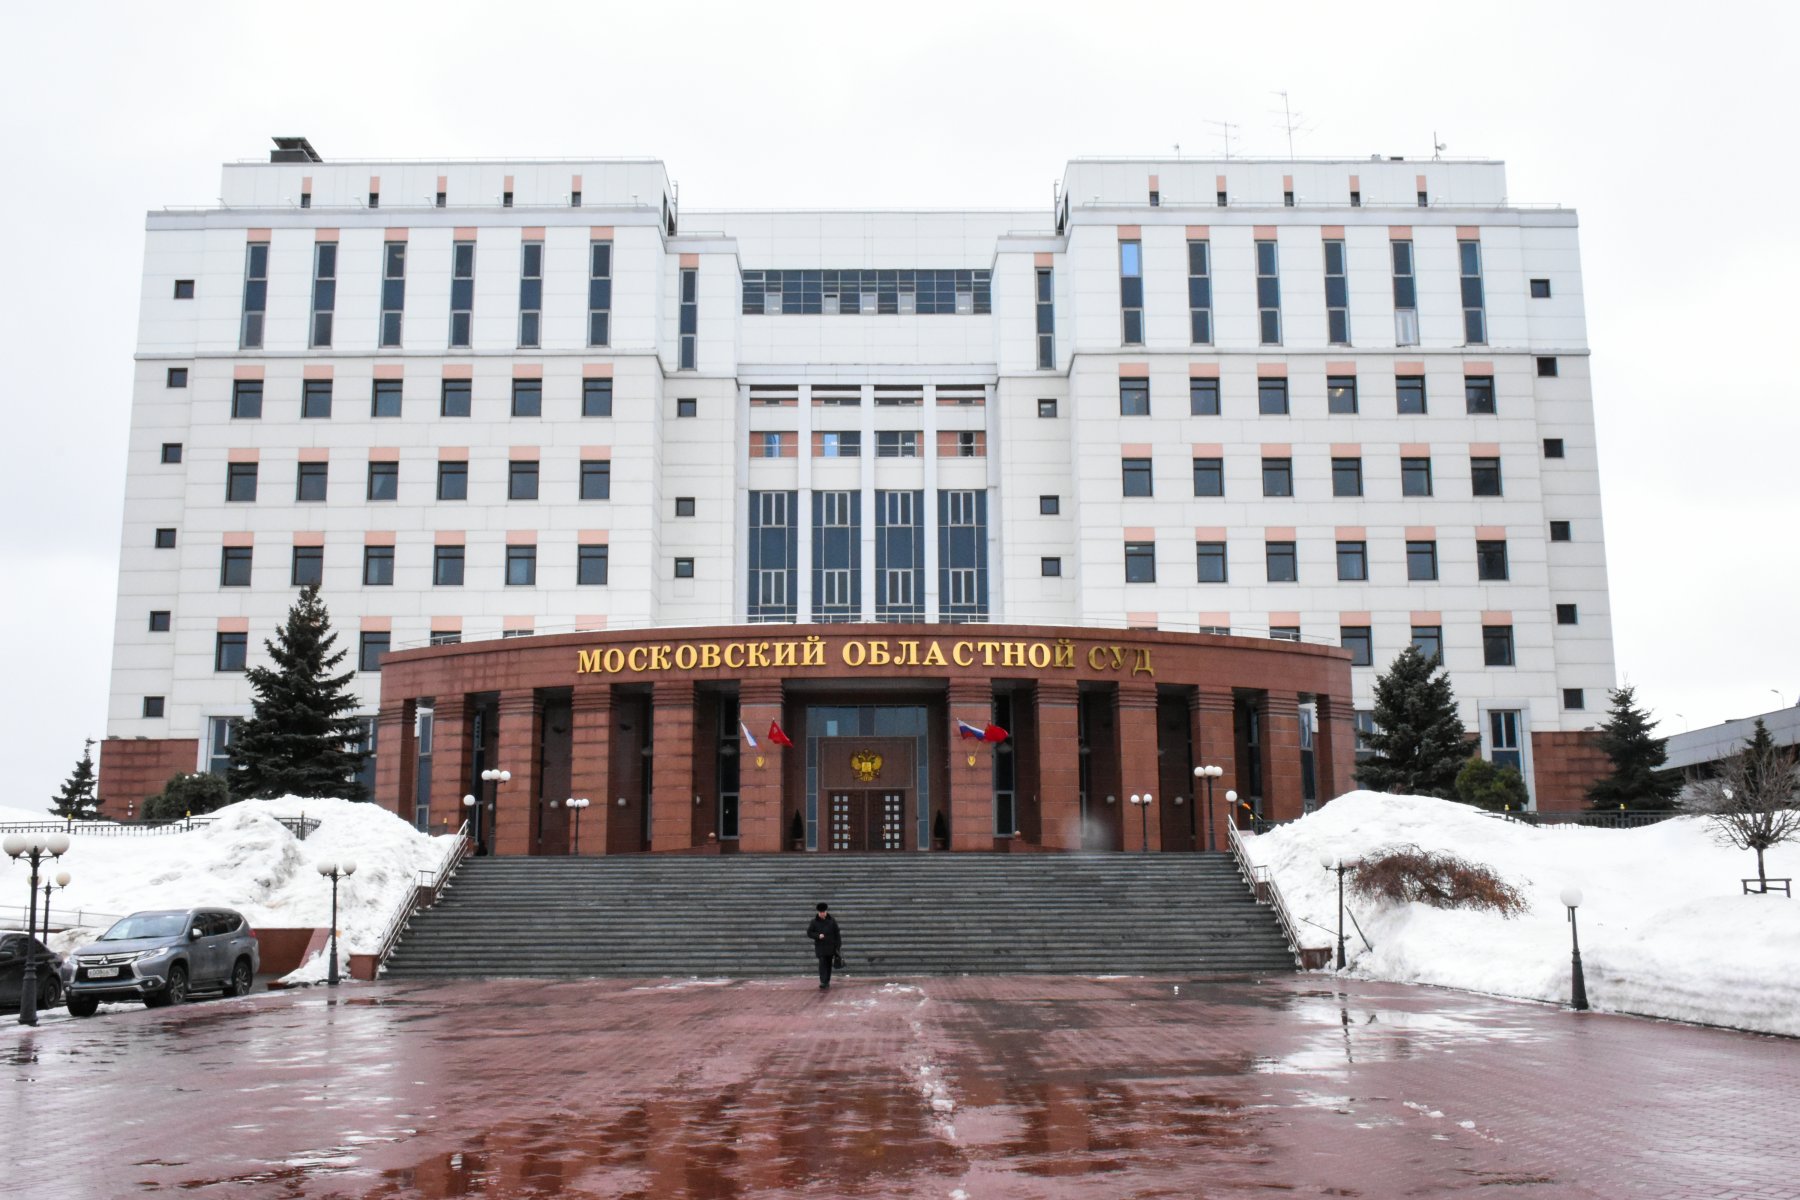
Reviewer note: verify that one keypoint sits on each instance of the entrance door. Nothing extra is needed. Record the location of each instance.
(861, 822)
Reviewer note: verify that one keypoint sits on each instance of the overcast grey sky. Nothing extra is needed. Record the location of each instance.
(1670, 128)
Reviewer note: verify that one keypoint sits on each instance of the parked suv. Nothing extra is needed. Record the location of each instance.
(45, 961)
(163, 957)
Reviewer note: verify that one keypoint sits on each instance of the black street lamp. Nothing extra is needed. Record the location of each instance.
(33, 847)
(335, 871)
(496, 777)
(575, 804)
(1332, 862)
(1209, 773)
(61, 881)
(1571, 898)
(1143, 803)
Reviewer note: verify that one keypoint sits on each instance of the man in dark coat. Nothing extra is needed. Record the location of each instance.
(826, 940)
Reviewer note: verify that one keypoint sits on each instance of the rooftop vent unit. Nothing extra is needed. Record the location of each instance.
(293, 149)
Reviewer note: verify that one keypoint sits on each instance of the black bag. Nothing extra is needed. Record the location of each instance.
(837, 960)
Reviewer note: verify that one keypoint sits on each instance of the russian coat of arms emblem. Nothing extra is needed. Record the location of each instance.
(866, 764)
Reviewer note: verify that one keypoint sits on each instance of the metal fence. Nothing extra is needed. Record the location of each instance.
(298, 826)
(1622, 818)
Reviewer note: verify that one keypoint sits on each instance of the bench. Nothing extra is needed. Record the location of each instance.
(1762, 887)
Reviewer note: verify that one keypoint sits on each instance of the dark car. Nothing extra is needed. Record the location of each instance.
(48, 965)
(163, 958)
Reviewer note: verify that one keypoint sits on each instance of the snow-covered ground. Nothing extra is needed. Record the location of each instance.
(1665, 930)
(246, 860)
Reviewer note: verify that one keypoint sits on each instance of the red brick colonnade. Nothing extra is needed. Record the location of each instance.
(645, 724)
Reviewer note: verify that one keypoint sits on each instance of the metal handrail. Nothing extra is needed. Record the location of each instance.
(1263, 885)
(80, 918)
(426, 890)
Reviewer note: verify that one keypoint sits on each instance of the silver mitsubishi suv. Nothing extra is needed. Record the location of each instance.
(162, 958)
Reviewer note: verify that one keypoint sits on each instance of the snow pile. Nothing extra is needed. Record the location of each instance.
(1665, 930)
(246, 860)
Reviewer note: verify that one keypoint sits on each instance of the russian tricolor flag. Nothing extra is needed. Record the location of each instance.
(992, 733)
(748, 736)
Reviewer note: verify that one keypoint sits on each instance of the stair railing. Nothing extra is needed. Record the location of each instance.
(1263, 887)
(426, 890)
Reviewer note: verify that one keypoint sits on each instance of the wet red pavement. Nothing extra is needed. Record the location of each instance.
(964, 1089)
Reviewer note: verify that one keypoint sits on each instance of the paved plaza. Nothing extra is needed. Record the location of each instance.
(958, 1088)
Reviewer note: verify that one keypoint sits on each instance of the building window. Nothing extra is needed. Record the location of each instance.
(1478, 391)
(1209, 563)
(1474, 305)
(384, 480)
(1574, 698)
(1346, 477)
(1540, 289)
(455, 398)
(1409, 392)
(1131, 293)
(962, 555)
(374, 199)
(315, 400)
(900, 556)
(1200, 330)
(159, 620)
(234, 566)
(1209, 477)
(687, 406)
(1282, 562)
(506, 198)
(590, 566)
(968, 443)
(897, 443)
(1421, 561)
(240, 482)
(1050, 568)
(531, 292)
(1484, 476)
(1272, 397)
(596, 479)
(684, 506)
(1561, 531)
(528, 398)
(1268, 294)
(1138, 480)
(1553, 448)
(599, 293)
(442, 200)
(453, 481)
(308, 567)
(246, 399)
(684, 568)
(393, 291)
(1340, 395)
(1546, 367)
(1278, 476)
(171, 453)
(384, 399)
(1415, 477)
(309, 482)
(256, 294)
(1406, 296)
(153, 706)
(690, 318)
(447, 566)
(370, 649)
(462, 292)
(1504, 748)
(521, 566)
(522, 480)
(1049, 506)
(165, 539)
(378, 566)
(765, 445)
(184, 289)
(1358, 640)
(1497, 645)
(1046, 320)
(1353, 561)
(1363, 721)
(1355, 199)
(1490, 561)
(1221, 198)
(1337, 295)
(596, 397)
(1424, 200)
(1047, 408)
(1134, 396)
(176, 377)
(1203, 397)
(324, 292)
(1429, 641)
(1140, 562)
(1566, 614)
(840, 444)
(229, 651)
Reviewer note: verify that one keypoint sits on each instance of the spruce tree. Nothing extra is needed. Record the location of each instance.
(1625, 738)
(76, 801)
(298, 739)
(1419, 740)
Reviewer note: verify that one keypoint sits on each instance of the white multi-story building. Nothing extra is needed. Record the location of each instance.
(1342, 402)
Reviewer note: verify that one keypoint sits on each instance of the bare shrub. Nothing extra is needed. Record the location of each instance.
(1411, 873)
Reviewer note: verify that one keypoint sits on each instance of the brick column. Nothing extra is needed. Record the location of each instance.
(759, 787)
(396, 758)
(590, 760)
(452, 755)
(1213, 712)
(1134, 725)
(1281, 756)
(971, 787)
(672, 784)
(521, 737)
(1059, 764)
(1334, 747)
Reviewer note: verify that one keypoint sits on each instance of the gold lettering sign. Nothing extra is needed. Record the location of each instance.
(801, 654)
(867, 765)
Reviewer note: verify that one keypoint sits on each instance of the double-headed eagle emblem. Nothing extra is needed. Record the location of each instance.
(867, 765)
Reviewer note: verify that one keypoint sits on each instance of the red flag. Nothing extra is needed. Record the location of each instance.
(778, 737)
(993, 733)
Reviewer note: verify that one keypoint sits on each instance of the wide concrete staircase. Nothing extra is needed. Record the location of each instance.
(914, 914)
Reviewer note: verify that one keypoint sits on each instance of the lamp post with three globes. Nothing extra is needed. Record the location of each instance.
(335, 871)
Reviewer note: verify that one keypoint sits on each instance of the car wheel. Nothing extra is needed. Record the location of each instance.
(175, 991)
(241, 979)
(83, 1006)
(49, 993)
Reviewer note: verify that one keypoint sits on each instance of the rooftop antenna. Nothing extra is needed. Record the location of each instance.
(1437, 147)
(1227, 131)
(1291, 121)
(1177, 151)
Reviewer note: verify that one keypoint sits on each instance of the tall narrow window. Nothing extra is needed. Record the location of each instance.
(1200, 330)
(899, 556)
(256, 294)
(774, 541)
(1337, 295)
(1474, 306)
(599, 293)
(393, 291)
(462, 292)
(836, 556)
(1406, 296)
(1504, 742)
(1131, 292)
(324, 292)
(1268, 293)
(690, 318)
(1046, 319)
(531, 292)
